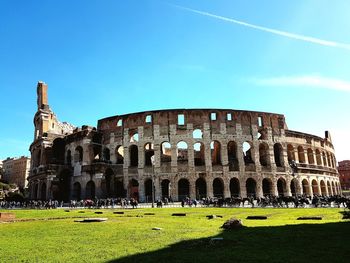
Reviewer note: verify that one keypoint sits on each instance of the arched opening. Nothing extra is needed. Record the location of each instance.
(108, 177)
(310, 156)
(119, 188)
(69, 158)
(201, 188)
(294, 187)
(78, 154)
(165, 185)
(58, 150)
(165, 155)
(134, 137)
(149, 152)
(306, 187)
(43, 192)
(251, 187)
(315, 187)
(264, 156)
(318, 157)
(182, 152)
(199, 158)
(36, 190)
(328, 160)
(329, 188)
(278, 153)
(61, 187)
(148, 190)
(290, 153)
(183, 189)
(97, 146)
(134, 189)
(281, 187)
(232, 156)
(215, 148)
(234, 187)
(134, 156)
(218, 188)
(323, 188)
(76, 195)
(106, 154)
(301, 154)
(37, 160)
(197, 134)
(247, 153)
(119, 153)
(90, 190)
(267, 186)
(324, 159)
(334, 190)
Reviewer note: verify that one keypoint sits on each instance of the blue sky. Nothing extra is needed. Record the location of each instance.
(103, 58)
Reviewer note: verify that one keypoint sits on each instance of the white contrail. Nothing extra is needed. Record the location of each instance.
(273, 31)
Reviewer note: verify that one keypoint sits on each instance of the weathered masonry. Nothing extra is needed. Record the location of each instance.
(198, 153)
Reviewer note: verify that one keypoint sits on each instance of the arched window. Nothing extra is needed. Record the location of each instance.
(290, 153)
(215, 148)
(264, 156)
(165, 155)
(134, 137)
(78, 154)
(278, 153)
(198, 149)
(301, 154)
(247, 153)
(149, 152)
(119, 153)
(232, 156)
(106, 154)
(182, 152)
(318, 157)
(134, 156)
(197, 134)
(310, 156)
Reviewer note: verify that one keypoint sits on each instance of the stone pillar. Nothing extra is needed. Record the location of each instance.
(274, 189)
(141, 190)
(209, 182)
(227, 192)
(141, 156)
(288, 190)
(190, 155)
(224, 157)
(243, 189)
(259, 190)
(192, 189)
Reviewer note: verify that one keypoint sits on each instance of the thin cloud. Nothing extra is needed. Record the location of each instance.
(271, 30)
(311, 81)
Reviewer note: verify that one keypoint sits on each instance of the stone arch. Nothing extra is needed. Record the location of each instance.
(235, 187)
(149, 152)
(69, 157)
(314, 185)
(218, 187)
(183, 187)
(134, 189)
(76, 194)
(119, 190)
(330, 192)
(251, 187)
(148, 190)
(278, 154)
(290, 153)
(318, 157)
(324, 159)
(328, 160)
(310, 156)
(199, 154)
(109, 174)
(264, 156)
(165, 154)
(267, 186)
(78, 154)
(333, 188)
(306, 186)
(106, 154)
(294, 186)
(281, 186)
(119, 153)
(43, 191)
(58, 150)
(90, 190)
(301, 154)
(134, 136)
(323, 188)
(96, 146)
(201, 188)
(61, 187)
(247, 153)
(165, 185)
(232, 156)
(133, 155)
(182, 152)
(215, 149)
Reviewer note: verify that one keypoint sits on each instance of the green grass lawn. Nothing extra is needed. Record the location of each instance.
(55, 237)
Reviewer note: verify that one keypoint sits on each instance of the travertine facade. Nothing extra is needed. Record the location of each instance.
(198, 153)
(344, 174)
(17, 171)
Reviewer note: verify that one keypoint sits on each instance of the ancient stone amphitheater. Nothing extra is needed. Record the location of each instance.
(197, 153)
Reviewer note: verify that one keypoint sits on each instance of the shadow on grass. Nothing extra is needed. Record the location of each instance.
(292, 243)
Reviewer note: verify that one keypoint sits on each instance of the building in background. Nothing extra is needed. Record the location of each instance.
(0, 169)
(17, 171)
(344, 172)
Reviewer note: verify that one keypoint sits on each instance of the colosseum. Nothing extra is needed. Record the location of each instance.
(197, 153)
